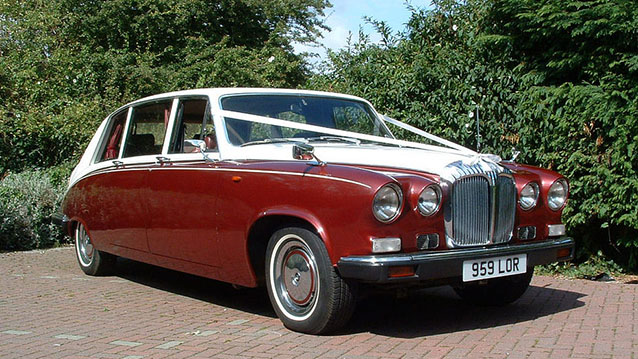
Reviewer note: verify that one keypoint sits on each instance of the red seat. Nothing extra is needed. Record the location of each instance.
(211, 142)
(112, 148)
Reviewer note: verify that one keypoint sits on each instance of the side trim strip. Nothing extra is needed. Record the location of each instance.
(110, 169)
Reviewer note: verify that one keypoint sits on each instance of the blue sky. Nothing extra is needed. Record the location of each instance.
(347, 16)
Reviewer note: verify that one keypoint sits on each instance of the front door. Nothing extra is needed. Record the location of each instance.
(182, 222)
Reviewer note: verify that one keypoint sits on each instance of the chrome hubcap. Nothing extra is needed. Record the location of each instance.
(295, 276)
(298, 277)
(83, 246)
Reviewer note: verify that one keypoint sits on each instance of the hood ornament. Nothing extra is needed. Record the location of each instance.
(485, 157)
(487, 164)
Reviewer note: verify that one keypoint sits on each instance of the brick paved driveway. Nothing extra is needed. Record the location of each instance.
(50, 309)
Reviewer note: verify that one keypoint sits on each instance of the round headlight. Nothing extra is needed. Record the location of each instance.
(429, 200)
(387, 203)
(529, 196)
(557, 194)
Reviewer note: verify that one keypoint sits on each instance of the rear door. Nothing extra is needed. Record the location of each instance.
(114, 194)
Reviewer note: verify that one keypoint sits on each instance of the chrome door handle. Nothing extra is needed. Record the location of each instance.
(162, 159)
(118, 163)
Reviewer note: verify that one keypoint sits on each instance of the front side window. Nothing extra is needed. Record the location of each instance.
(194, 122)
(147, 129)
(112, 143)
(334, 113)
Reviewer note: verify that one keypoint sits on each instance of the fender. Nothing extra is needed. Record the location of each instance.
(301, 213)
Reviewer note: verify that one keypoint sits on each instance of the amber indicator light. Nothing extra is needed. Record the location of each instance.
(402, 271)
(236, 179)
(565, 252)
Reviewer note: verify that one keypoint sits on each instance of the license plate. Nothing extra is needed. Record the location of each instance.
(495, 267)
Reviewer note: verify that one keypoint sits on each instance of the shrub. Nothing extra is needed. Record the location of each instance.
(557, 80)
(27, 201)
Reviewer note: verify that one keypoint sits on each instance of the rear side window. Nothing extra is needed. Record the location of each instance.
(113, 142)
(147, 129)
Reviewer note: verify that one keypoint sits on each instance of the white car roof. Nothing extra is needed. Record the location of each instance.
(221, 91)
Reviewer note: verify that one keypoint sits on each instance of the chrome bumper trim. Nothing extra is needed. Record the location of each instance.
(447, 263)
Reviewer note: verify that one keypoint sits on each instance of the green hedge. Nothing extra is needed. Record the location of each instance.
(555, 79)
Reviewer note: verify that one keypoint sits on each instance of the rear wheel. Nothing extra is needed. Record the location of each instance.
(91, 260)
(496, 292)
(305, 290)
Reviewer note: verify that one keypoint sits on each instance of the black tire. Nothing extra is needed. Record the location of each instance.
(305, 290)
(92, 261)
(496, 292)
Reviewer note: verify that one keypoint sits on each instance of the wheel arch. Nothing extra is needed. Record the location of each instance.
(73, 225)
(262, 229)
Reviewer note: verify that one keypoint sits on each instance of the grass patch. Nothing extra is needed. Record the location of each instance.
(594, 267)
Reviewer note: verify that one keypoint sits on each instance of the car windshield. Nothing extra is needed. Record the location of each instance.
(330, 112)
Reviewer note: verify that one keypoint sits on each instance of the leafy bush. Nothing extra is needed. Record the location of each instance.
(66, 64)
(27, 201)
(557, 80)
(578, 61)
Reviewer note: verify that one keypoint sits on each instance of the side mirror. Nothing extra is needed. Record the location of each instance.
(201, 145)
(197, 144)
(302, 151)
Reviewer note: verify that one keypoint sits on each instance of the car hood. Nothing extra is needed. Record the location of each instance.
(430, 161)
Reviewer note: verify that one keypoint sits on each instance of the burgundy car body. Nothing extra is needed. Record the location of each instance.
(211, 213)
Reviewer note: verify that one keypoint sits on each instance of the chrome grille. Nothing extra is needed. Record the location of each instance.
(482, 209)
(470, 211)
(505, 210)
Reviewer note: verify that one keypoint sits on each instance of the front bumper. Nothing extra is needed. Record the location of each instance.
(448, 264)
(61, 220)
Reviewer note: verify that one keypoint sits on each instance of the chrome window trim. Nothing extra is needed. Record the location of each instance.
(130, 118)
(105, 134)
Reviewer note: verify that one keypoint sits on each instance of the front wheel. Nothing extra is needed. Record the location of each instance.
(305, 290)
(496, 292)
(91, 260)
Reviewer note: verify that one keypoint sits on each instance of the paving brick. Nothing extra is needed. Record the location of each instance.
(16, 332)
(50, 309)
(169, 345)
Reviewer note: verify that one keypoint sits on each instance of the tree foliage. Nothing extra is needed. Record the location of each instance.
(579, 62)
(65, 64)
(554, 79)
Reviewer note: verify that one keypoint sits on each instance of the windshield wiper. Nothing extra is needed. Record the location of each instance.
(273, 140)
(334, 139)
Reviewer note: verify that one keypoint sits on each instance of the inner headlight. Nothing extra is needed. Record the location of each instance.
(429, 200)
(557, 194)
(387, 203)
(529, 196)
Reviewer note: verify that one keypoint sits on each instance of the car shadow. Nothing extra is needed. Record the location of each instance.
(423, 312)
(439, 310)
(250, 300)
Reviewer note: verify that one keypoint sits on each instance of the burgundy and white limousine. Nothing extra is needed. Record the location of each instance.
(310, 194)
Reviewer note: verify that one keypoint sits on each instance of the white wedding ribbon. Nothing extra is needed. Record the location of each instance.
(429, 136)
(454, 148)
